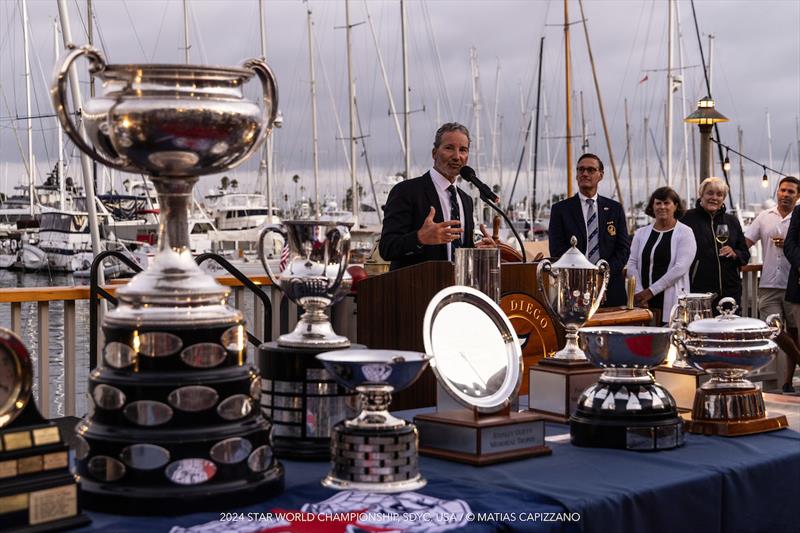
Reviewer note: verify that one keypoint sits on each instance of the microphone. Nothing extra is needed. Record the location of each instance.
(468, 173)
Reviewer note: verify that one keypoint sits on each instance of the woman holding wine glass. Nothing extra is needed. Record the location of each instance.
(721, 246)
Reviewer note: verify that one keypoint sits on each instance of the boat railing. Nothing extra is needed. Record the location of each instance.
(267, 315)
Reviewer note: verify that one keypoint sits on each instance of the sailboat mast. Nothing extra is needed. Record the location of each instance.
(646, 160)
(406, 103)
(62, 185)
(267, 161)
(186, 31)
(630, 162)
(740, 134)
(28, 119)
(314, 145)
(668, 155)
(567, 99)
(769, 140)
(476, 106)
(352, 104)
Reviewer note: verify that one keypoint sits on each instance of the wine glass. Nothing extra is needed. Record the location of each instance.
(777, 235)
(721, 233)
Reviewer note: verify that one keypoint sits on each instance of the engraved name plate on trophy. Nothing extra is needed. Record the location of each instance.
(477, 358)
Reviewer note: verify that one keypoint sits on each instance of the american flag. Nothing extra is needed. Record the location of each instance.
(284, 257)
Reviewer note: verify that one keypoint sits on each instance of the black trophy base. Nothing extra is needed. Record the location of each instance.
(159, 500)
(37, 491)
(374, 460)
(627, 416)
(303, 401)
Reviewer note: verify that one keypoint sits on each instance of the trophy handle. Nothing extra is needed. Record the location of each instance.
(264, 263)
(545, 266)
(270, 88)
(344, 233)
(775, 323)
(58, 93)
(604, 269)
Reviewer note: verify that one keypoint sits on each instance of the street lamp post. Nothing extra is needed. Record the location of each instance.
(705, 116)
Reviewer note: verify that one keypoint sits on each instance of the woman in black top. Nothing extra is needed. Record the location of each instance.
(717, 261)
(661, 254)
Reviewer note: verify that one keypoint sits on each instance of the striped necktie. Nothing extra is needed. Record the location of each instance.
(455, 214)
(592, 242)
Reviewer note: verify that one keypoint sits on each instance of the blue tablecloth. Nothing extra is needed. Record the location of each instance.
(711, 484)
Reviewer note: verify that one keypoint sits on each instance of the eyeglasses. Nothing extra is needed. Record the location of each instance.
(588, 170)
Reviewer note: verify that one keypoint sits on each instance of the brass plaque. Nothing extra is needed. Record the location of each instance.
(53, 504)
(17, 441)
(15, 502)
(8, 468)
(48, 435)
(29, 465)
(55, 460)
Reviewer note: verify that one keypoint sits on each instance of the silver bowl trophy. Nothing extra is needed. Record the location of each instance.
(174, 423)
(679, 377)
(729, 347)
(572, 289)
(302, 398)
(626, 408)
(375, 451)
(477, 359)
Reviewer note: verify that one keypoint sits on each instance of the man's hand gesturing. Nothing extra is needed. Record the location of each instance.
(438, 232)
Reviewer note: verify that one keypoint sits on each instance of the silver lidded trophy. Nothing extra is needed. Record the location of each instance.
(174, 422)
(573, 289)
(314, 276)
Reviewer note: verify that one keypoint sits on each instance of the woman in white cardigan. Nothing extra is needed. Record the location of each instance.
(661, 254)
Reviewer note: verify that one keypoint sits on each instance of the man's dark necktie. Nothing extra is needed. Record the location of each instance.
(592, 244)
(455, 214)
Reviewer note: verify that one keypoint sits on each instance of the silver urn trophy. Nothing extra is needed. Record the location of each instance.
(573, 289)
(314, 276)
(375, 451)
(729, 347)
(174, 422)
(626, 408)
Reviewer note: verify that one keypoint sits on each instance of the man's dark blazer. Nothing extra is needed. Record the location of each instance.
(791, 249)
(405, 211)
(566, 220)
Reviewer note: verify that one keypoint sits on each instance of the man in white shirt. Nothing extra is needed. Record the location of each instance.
(770, 228)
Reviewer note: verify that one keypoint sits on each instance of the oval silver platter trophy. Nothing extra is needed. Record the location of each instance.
(375, 451)
(174, 423)
(477, 358)
(626, 408)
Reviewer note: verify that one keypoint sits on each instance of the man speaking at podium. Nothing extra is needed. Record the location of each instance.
(427, 218)
(597, 222)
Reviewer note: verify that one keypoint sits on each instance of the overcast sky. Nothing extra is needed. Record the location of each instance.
(756, 69)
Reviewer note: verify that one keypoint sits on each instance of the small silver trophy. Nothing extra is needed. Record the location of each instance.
(573, 290)
(173, 424)
(374, 451)
(314, 276)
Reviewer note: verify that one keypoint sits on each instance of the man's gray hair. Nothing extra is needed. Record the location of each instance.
(448, 127)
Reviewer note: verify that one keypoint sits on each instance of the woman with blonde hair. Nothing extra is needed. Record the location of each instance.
(661, 254)
(721, 246)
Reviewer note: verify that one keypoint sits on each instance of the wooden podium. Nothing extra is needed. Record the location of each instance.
(391, 308)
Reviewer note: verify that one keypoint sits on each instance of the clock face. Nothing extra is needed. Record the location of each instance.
(15, 377)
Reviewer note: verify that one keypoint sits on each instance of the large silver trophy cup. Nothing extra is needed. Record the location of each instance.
(573, 289)
(174, 423)
(314, 276)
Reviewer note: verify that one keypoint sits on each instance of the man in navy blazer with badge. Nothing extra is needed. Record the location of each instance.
(599, 225)
(427, 218)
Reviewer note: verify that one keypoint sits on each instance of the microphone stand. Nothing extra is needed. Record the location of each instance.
(510, 225)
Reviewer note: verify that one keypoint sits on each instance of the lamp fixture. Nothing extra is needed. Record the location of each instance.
(765, 179)
(726, 165)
